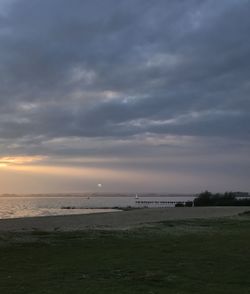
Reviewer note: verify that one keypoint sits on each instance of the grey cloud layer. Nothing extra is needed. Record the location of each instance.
(124, 68)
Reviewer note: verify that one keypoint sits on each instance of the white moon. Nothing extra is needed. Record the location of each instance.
(99, 185)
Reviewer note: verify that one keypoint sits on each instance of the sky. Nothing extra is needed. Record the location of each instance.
(138, 95)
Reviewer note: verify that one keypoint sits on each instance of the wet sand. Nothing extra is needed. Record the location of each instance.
(115, 220)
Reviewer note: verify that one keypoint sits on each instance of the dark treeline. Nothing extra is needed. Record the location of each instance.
(227, 199)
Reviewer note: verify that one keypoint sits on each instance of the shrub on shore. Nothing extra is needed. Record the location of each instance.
(227, 199)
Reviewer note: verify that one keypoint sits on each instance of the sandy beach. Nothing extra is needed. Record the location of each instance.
(115, 220)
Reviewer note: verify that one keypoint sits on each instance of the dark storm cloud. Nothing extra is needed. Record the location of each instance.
(124, 68)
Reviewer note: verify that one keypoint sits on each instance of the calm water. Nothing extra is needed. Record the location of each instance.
(44, 205)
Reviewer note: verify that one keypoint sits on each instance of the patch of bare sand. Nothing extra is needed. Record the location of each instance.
(115, 220)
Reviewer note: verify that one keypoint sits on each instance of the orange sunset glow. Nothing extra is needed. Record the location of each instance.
(19, 160)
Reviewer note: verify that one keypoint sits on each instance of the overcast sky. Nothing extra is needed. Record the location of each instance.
(139, 95)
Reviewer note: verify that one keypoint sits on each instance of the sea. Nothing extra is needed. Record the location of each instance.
(33, 205)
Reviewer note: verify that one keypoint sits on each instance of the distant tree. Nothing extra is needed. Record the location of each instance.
(204, 199)
(227, 199)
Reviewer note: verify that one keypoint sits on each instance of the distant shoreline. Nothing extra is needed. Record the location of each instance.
(98, 195)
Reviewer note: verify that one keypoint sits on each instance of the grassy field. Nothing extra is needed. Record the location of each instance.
(198, 256)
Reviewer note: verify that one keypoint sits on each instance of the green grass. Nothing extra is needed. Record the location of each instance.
(199, 256)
